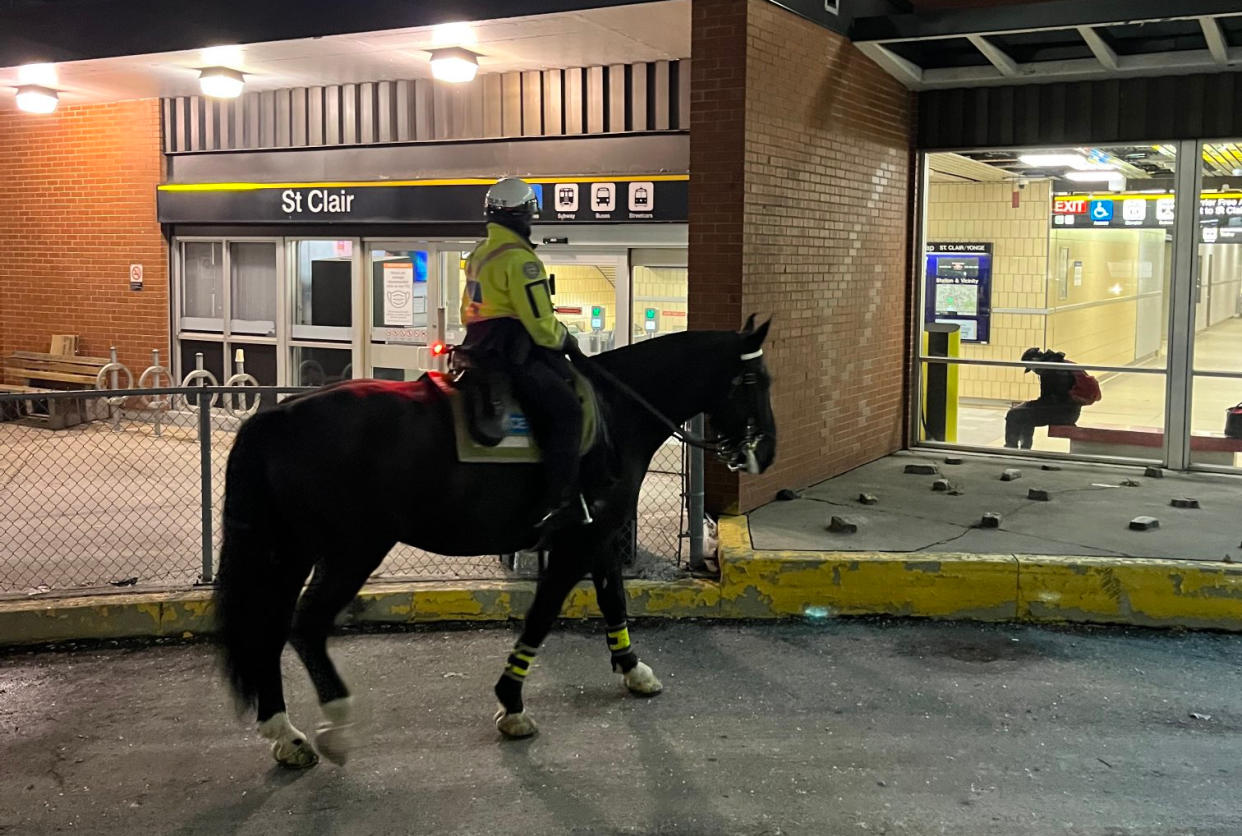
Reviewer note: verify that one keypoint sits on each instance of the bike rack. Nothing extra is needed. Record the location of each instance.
(107, 379)
(150, 379)
(240, 379)
(193, 378)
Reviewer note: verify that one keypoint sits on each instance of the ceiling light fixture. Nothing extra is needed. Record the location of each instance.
(35, 99)
(1056, 161)
(455, 65)
(221, 82)
(38, 75)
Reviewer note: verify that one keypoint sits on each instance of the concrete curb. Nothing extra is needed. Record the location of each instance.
(1038, 588)
(754, 584)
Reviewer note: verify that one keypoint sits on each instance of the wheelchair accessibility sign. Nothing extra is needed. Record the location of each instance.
(1100, 211)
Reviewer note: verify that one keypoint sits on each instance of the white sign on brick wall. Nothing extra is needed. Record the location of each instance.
(135, 277)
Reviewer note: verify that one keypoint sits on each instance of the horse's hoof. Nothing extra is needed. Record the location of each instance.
(515, 726)
(642, 680)
(335, 742)
(294, 753)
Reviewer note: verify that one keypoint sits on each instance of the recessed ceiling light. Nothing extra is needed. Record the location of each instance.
(221, 82)
(455, 65)
(35, 99)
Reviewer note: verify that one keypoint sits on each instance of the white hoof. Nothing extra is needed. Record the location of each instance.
(642, 681)
(335, 742)
(290, 747)
(335, 736)
(515, 726)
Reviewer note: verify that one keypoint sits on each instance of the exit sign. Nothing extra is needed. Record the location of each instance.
(1069, 207)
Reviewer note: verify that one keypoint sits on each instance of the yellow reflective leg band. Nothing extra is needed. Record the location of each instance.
(619, 640)
(518, 664)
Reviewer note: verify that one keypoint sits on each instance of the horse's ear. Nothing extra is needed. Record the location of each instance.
(749, 327)
(754, 340)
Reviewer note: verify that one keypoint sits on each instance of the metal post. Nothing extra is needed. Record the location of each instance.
(114, 383)
(204, 449)
(694, 500)
(1182, 307)
(155, 364)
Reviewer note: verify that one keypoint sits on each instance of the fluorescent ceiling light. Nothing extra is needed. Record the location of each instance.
(453, 34)
(454, 65)
(221, 82)
(1100, 176)
(34, 99)
(38, 75)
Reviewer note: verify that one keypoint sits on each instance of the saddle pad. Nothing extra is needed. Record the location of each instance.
(518, 446)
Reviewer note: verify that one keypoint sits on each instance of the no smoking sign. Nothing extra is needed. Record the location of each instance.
(135, 277)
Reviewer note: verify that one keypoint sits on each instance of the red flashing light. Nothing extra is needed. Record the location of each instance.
(437, 348)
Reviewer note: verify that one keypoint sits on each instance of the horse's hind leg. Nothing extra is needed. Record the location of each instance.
(289, 746)
(336, 581)
(565, 568)
(610, 593)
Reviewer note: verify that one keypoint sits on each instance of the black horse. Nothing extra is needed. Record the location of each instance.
(331, 480)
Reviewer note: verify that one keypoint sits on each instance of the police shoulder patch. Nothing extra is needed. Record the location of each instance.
(531, 269)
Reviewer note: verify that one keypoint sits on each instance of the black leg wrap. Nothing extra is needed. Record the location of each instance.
(625, 661)
(509, 692)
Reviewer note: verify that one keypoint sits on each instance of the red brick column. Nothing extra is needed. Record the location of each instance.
(804, 217)
(77, 207)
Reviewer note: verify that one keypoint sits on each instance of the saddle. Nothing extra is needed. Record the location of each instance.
(488, 422)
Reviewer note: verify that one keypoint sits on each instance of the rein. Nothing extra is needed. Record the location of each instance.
(713, 447)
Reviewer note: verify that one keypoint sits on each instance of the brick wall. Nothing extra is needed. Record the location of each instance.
(808, 221)
(77, 207)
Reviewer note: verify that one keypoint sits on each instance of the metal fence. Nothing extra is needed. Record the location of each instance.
(125, 488)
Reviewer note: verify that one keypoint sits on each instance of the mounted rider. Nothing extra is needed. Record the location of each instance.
(509, 317)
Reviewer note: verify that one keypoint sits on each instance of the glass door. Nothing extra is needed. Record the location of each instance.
(324, 301)
(592, 295)
(1215, 376)
(414, 289)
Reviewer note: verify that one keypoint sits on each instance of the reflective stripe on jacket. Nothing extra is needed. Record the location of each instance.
(504, 278)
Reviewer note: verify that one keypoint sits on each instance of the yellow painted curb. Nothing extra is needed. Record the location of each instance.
(754, 584)
(187, 614)
(1098, 590)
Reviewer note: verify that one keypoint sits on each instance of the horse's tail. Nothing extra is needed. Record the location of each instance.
(247, 616)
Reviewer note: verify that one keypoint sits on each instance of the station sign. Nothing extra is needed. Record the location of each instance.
(645, 199)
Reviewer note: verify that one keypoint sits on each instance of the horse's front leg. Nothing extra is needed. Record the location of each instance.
(565, 568)
(610, 593)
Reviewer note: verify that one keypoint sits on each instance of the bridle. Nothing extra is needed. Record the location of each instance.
(737, 454)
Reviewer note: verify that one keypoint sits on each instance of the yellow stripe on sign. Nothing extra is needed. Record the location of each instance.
(373, 184)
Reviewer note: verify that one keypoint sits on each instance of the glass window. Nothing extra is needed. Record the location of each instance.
(586, 299)
(323, 296)
(659, 301)
(252, 268)
(399, 282)
(212, 354)
(202, 286)
(313, 366)
(1066, 250)
(453, 269)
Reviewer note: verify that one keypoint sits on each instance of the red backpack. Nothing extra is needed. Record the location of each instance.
(1086, 389)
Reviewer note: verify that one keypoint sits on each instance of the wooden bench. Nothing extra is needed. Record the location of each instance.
(34, 372)
(1139, 442)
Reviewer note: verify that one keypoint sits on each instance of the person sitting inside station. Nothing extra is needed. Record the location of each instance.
(510, 323)
(1062, 395)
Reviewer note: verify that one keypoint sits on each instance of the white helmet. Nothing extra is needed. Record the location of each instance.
(512, 196)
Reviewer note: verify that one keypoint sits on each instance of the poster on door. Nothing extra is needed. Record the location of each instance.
(399, 294)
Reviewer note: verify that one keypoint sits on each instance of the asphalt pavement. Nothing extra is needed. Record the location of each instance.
(835, 727)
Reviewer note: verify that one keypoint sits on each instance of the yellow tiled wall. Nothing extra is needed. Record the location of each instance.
(584, 285)
(984, 212)
(663, 288)
(1100, 325)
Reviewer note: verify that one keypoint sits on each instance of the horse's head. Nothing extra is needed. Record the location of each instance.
(742, 420)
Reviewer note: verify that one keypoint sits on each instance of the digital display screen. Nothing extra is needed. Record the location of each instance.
(957, 268)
